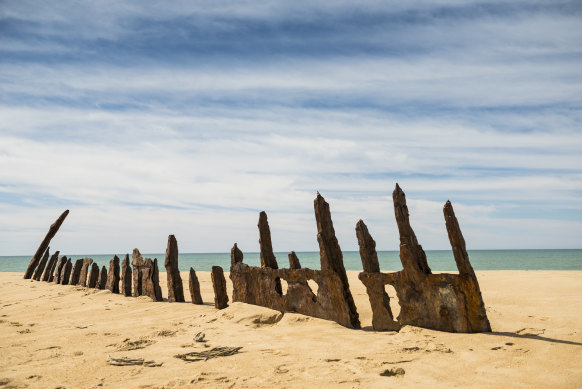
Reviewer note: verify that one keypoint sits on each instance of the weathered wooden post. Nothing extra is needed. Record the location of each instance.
(54, 228)
(175, 288)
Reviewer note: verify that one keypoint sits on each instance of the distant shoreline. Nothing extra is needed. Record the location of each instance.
(439, 260)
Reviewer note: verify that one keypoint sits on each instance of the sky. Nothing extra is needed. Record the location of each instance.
(149, 118)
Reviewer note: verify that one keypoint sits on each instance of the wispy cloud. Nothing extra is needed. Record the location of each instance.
(148, 119)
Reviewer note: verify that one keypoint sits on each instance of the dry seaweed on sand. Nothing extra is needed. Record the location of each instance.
(125, 361)
(215, 352)
(128, 344)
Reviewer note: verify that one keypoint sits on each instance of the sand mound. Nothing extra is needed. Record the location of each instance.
(250, 315)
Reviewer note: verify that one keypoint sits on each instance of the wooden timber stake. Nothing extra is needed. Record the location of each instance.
(93, 276)
(219, 285)
(76, 272)
(102, 280)
(113, 275)
(58, 269)
(194, 288)
(50, 268)
(44, 245)
(267, 256)
(84, 271)
(175, 288)
(41, 265)
(66, 272)
(126, 276)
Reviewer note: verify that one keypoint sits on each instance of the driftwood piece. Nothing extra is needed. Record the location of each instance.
(205, 355)
(194, 286)
(59, 268)
(41, 265)
(259, 285)
(50, 268)
(126, 361)
(54, 228)
(126, 276)
(93, 276)
(113, 275)
(84, 271)
(175, 287)
(66, 272)
(102, 280)
(445, 302)
(219, 285)
(76, 272)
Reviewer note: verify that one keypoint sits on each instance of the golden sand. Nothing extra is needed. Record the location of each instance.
(61, 336)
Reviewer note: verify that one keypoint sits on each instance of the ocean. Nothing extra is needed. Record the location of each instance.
(389, 260)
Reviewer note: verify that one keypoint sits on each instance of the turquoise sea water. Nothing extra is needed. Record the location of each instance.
(389, 260)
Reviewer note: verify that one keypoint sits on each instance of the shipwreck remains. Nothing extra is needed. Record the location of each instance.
(66, 272)
(76, 272)
(194, 288)
(175, 288)
(102, 280)
(146, 277)
(50, 268)
(126, 276)
(44, 245)
(219, 286)
(262, 285)
(93, 276)
(113, 275)
(84, 270)
(58, 267)
(40, 268)
(445, 302)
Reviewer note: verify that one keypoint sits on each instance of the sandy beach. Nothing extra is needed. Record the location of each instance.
(61, 336)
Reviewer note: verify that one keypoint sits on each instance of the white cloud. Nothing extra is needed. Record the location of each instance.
(480, 109)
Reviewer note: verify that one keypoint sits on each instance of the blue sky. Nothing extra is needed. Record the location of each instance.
(149, 118)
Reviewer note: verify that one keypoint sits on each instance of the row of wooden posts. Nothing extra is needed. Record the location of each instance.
(446, 302)
(140, 277)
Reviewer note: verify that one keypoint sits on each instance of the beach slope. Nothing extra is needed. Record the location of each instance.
(62, 336)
